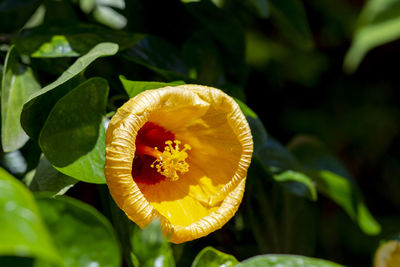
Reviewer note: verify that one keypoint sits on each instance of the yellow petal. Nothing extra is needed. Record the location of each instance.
(205, 197)
(388, 254)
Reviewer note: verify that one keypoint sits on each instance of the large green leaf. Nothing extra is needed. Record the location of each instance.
(49, 179)
(211, 257)
(150, 247)
(39, 105)
(69, 41)
(81, 234)
(379, 23)
(291, 19)
(159, 56)
(276, 160)
(18, 84)
(334, 181)
(286, 261)
(73, 137)
(22, 232)
(133, 88)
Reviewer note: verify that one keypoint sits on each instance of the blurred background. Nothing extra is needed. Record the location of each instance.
(322, 69)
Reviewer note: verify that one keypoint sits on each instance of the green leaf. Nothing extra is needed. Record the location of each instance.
(286, 260)
(39, 105)
(334, 181)
(48, 41)
(48, 179)
(276, 160)
(105, 12)
(379, 23)
(133, 88)
(290, 18)
(22, 232)
(74, 142)
(211, 257)
(18, 84)
(82, 235)
(159, 56)
(150, 246)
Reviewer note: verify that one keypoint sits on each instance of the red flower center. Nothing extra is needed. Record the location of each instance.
(149, 136)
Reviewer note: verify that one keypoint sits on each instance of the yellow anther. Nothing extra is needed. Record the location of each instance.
(172, 160)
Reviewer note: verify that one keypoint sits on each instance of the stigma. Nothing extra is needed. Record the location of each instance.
(172, 160)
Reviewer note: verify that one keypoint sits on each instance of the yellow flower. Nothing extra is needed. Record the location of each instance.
(179, 154)
(388, 254)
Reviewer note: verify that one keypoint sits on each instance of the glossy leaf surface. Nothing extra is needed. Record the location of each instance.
(334, 181)
(18, 84)
(133, 88)
(39, 105)
(81, 234)
(75, 142)
(70, 41)
(22, 231)
(285, 260)
(209, 256)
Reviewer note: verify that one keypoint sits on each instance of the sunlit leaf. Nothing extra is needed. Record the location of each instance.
(81, 234)
(379, 23)
(74, 142)
(133, 88)
(211, 257)
(334, 181)
(18, 84)
(39, 105)
(151, 247)
(287, 261)
(22, 232)
(51, 41)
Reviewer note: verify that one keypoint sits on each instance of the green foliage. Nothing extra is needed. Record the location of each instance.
(378, 23)
(334, 181)
(22, 231)
(209, 256)
(75, 142)
(330, 193)
(285, 260)
(150, 247)
(39, 105)
(133, 88)
(50, 41)
(276, 160)
(81, 234)
(47, 178)
(18, 84)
